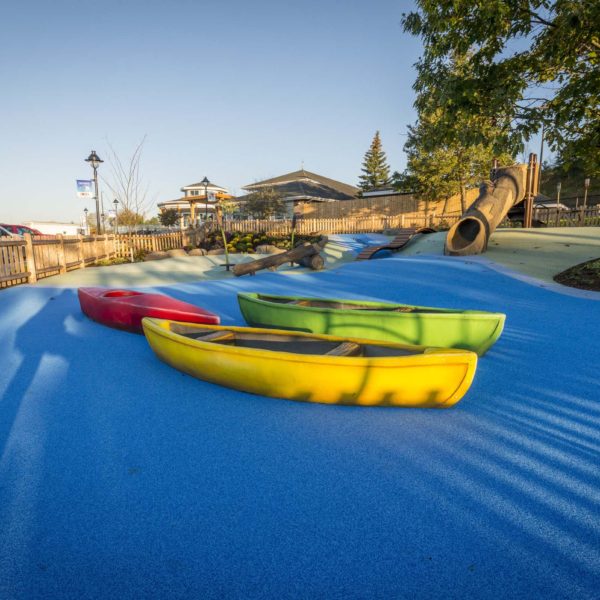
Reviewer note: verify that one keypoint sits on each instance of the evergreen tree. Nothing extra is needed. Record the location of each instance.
(376, 171)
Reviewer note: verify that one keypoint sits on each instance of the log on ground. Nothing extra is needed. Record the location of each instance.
(275, 260)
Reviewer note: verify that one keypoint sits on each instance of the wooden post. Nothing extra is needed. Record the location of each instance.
(62, 263)
(30, 258)
(80, 251)
(530, 190)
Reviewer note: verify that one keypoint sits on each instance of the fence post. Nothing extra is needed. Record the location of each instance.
(80, 251)
(30, 258)
(62, 262)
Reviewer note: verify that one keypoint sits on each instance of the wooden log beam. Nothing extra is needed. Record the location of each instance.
(315, 262)
(275, 260)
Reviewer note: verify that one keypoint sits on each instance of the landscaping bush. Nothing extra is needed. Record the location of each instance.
(107, 262)
(246, 242)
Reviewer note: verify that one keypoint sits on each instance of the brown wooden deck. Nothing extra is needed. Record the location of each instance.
(397, 243)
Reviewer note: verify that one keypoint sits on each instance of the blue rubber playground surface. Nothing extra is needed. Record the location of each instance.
(121, 477)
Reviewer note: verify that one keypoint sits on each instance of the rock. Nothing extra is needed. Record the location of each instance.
(156, 256)
(197, 252)
(216, 251)
(268, 249)
(177, 252)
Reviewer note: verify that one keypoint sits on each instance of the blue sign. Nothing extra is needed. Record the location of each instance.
(85, 188)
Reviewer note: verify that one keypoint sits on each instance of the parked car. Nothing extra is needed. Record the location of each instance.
(5, 233)
(20, 229)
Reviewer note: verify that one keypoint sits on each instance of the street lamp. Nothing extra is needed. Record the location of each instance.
(85, 210)
(558, 187)
(116, 203)
(95, 161)
(205, 182)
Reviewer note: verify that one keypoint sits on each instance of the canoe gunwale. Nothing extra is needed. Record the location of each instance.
(429, 311)
(429, 355)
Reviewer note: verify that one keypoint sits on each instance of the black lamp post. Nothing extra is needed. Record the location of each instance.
(205, 182)
(85, 210)
(116, 203)
(95, 161)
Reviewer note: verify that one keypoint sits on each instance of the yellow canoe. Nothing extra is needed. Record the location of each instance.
(312, 367)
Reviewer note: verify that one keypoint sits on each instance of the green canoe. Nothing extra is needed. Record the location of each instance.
(403, 323)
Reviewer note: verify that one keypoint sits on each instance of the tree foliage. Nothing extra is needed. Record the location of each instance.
(530, 62)
(129, 217)
(266, 202)
(168, 217)
(444, 159)
(375, 169)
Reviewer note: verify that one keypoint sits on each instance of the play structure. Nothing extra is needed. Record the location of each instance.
(404, 236)
(314, 368)
(511, 190)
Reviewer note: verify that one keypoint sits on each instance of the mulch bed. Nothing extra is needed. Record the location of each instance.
(585, 276)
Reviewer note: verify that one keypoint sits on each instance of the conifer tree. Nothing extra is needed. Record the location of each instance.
(376, 171)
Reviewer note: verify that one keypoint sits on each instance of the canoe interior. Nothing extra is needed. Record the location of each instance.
(336, 304)
(289, 343)
(121, 294)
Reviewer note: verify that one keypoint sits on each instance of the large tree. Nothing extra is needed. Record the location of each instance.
(264, 203)
(446, 158)
(532, 63)
(375, 169)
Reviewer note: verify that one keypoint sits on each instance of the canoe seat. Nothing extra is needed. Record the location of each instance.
(216, 336)
(406, 234)
(346, 349)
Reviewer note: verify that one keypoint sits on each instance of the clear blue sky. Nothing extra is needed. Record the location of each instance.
(234, 90)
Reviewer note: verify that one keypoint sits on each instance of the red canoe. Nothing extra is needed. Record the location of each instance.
(125, 309)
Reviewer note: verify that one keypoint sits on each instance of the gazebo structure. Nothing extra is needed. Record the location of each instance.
(303, 187)
(197, 203)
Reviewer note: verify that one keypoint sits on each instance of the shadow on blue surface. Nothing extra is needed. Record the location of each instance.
(121, 477)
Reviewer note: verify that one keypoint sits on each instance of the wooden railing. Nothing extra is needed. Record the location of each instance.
(31, 258)
(369, 224)
(576, 217)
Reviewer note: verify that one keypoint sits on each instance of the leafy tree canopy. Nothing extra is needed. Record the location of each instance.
(529, 63)
(264, 203)
(446, 158)
(129, 217)
(375, 169)
(168, 217)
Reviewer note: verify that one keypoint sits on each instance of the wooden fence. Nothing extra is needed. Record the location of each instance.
(368, 224)
(31, 258)
(580, 217)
